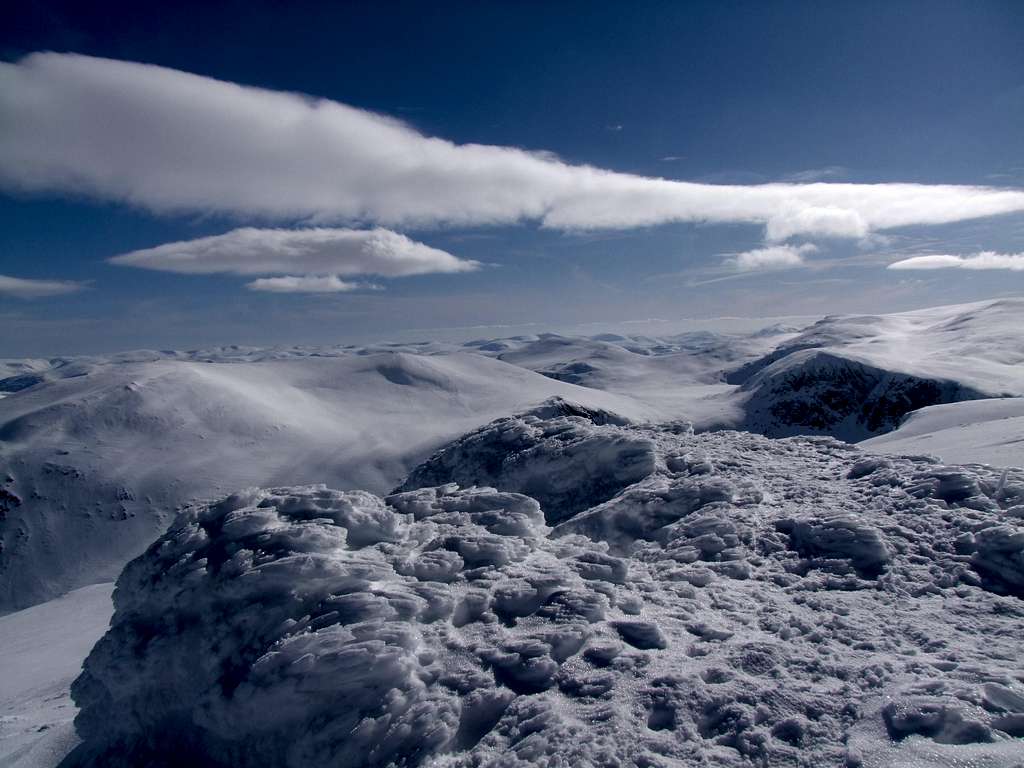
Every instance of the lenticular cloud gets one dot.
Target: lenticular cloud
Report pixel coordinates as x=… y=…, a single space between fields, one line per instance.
x=171 y=141
x=251 y=251
x=771 y=257
x=982 y=260
x=24 y=288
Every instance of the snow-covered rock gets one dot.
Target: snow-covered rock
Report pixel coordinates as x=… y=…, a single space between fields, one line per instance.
x=560 y=461
x=746 y=601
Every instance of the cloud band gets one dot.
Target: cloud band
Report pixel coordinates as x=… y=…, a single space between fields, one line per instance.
x=171 y=141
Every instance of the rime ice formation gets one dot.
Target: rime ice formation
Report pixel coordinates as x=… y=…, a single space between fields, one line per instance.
x=729 y=600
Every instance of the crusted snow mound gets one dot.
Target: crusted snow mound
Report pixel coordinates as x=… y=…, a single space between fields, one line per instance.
x=746 y=601
x=550 y=453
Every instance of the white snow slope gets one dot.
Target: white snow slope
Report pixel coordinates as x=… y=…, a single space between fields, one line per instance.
x=740 y=601
x=41 y=653
x=985 y=431
x=682 y=375
x=92 y=466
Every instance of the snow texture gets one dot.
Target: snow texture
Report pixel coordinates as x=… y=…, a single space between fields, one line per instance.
x=96 y=458
x=738 y=601
x=980 y=431
x=41 y=653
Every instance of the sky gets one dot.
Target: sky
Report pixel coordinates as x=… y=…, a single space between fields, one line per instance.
x=296 y=173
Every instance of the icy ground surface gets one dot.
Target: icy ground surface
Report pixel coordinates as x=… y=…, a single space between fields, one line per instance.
x=41 y=652
x=729 y=600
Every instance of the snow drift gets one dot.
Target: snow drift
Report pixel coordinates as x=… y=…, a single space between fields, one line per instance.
x=742 y=601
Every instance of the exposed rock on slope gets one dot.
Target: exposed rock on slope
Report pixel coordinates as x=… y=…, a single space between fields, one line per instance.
x=819 y=392
x=745 y=602
x=853 y=377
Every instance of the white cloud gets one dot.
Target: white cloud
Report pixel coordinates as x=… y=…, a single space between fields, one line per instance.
x=770 y=257
x=982 y=260
x=818 y=174
x=24 y=288
x=171 y=141
x=320 y=251
x=827 y=221
x=306 y=284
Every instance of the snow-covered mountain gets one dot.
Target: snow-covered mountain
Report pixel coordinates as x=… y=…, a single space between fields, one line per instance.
x=853 y=377
x=728 y=600
x=97 y=452
x=683 y=375
x=680 y=596
x=94 y=462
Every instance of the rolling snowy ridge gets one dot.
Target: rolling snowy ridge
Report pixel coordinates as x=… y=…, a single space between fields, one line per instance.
x=93 y=466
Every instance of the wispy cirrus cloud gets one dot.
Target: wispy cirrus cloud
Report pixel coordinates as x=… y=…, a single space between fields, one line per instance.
x=170 y=141
x=818 y=174
x=307 y=284
x=770 y=257
x=25 y=288
x=313 y=251
x=980 y=261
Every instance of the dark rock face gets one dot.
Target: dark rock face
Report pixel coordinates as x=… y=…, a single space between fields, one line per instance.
x=818 y=392
x=20 y=382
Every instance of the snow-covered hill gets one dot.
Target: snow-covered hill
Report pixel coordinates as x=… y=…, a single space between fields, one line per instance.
x=96 y=452
x=681 y=375
x=730 y=600
x=854 y=377
x=92 y=465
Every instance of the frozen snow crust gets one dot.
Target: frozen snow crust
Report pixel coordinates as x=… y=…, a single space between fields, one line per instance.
x=740 y=601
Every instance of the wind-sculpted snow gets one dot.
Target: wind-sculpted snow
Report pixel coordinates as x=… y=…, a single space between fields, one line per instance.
x=740 y=602
x=978 y=431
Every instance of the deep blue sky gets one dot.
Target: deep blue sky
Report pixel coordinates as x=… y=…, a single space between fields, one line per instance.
x=721 y=92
